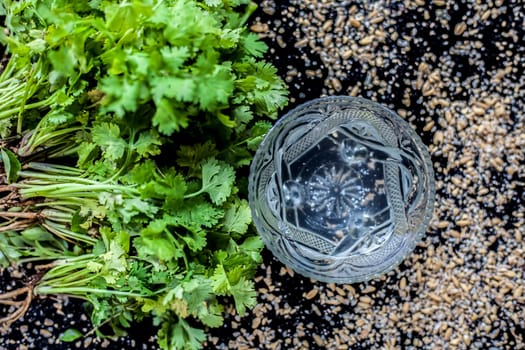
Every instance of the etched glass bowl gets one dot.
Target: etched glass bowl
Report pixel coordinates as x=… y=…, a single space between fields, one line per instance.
x=341 y=189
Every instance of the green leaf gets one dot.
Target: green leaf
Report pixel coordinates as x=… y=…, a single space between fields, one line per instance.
x=174 y=57
x=70 y=335
x=86 y=154
x=217 y=180
x=195 y=213
x=11 y=165
x=225 y=120
x=155 y=242
x=122 y=94
x=107 y=136
x=168 y=119
x=211 y=316
x=192 y=156
x=142 y=173
x=244 y=295
x=254 y=45
x=252 y=244
x=148 y=144
x=196 y=292
x=169 y=186
x=237 y=217
x=215 y=89
x=220 y=282
x=257 y=134
x=262 y=87
x=63 y=61
x=242 y=115
x=9 y=253
x=180 y=89
x=36 y=233
x=213 y=3
x=185 y=337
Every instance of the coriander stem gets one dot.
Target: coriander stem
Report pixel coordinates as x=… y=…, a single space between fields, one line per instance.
x=55 y=168
x=76 y=279
x=66 y=190
x=13 y=111
x=194 y=194
x=68 y=235
x=73 y=291
x=55 y=177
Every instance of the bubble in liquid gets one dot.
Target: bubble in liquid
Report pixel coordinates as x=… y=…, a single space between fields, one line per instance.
x=293 y=194
x=352 y=152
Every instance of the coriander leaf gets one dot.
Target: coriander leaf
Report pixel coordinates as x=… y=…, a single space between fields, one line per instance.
x=134 y=206
x=174 y=57
x=11 y=165
x=125 y=17
x=214 y=90
x=155 y=242
x=261 y=86
x=252 y=244
x=213 y=3
x=107 y=136
x=197 y=291
x=217 y=180
x=139 y=62
x=192 y=156
x=242 y=115
x=257 y=134
x=220 y=282
x=195 y=238
x=184 y=337
x=237 y=217
x=169 y=187
x=70 y=335
x=63 y=61
x=168 y=119
x=229 y=38
x=148 y=144
x=142 y=173
x=244 y=295
x=9 y=253
x=181 y=89
x=195 y=213
x=253 y=45
x=211 y=315
x=59 y=117
x=122 y=94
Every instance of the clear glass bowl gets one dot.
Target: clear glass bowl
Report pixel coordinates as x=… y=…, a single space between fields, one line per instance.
x=341 y=189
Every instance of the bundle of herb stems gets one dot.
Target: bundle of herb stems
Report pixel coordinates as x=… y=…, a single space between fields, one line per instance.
x=126 y=131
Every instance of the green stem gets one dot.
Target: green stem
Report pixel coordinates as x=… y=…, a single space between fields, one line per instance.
x=177 y=244
x=68 y=235
x=13 y=111
x=55 y=168
x=46 y=134
x=29 y=91
x=70 y=205
x=11 y=94
x=127 y=161
x=250 y=9
x=75 y=279
x=56 y=178
x=39 y=258
x=8 y=71
x=194 y=194
x=66 y=190
x=73 y=291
